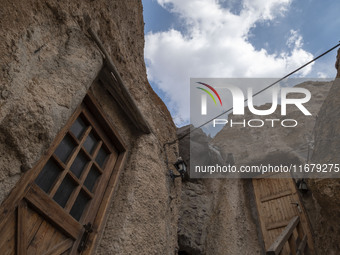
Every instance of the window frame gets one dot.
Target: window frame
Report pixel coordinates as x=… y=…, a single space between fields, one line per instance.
x=78 y=147
x=102 y=211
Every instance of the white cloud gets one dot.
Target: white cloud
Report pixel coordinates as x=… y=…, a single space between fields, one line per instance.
x=215 y=44
x=295 y=39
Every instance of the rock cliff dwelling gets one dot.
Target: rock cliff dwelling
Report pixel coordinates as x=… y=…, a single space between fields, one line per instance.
x=86 y=147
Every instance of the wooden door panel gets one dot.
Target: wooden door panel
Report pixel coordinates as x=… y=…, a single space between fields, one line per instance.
x=278 y=212
x=44 y=236
x=28 y=232
x=61 y=248
x=34 y=221
x=7 y=243
x=276 y=203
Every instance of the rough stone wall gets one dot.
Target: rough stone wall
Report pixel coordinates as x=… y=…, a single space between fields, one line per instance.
x=48 y=62
x=326 y=191
x=40 y=87
x=216 y=215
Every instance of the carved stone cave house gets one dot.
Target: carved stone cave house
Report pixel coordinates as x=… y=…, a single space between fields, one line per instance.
x=83 y=148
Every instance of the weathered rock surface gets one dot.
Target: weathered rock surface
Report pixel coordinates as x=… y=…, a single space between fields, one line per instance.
x=326 y=191
x=216 y=215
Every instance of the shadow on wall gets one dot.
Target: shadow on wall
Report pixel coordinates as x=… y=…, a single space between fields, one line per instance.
x=184 y=253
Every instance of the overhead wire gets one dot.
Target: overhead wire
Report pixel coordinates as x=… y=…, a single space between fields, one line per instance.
x=257 y=93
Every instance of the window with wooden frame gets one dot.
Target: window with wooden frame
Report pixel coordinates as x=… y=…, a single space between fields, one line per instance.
x=74 y=172
x=59 y=208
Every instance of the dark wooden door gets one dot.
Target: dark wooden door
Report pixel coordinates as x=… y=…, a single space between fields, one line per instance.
x=277 y=203
x=62 y=202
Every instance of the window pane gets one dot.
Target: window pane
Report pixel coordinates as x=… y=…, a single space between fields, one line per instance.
x=48 y=175
x=79 y=205
x=65 y=148
x=91 y=178
x=64 y=191
x=90 y=143
x=78 y=127
x=101 y=157
x=79 y=164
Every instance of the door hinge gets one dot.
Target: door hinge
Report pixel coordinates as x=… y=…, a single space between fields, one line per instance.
x=85 y=237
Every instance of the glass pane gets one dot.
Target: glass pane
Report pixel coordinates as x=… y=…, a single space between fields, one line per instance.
x=90 y=143
x=64 y=191
x=79 y=164
x=79 y=205
x=65 y=148
x=78 y=127
x=48 y=175
x=101 y=157
x=91 y=178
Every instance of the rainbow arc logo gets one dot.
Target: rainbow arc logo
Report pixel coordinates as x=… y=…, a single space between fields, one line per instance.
x=209 y=93
x=204 y=97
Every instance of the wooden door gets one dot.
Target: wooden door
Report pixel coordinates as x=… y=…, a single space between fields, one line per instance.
x=30 y=232
x=59 y=207
x=277 y=203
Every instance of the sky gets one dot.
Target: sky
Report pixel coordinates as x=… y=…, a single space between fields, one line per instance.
x=234 y=39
